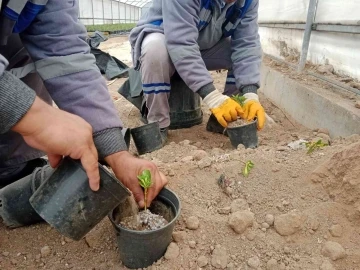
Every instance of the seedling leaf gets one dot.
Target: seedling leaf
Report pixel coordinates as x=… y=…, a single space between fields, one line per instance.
x=239 y=99
x=145 y=182
x=248 y=166
x=313 y=146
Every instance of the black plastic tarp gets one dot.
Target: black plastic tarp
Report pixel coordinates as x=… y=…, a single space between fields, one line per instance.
x=108 y=65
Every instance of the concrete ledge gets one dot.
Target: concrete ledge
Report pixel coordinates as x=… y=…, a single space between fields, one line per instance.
x=311 y=106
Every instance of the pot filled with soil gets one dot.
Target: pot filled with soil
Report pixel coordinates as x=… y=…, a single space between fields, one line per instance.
x=144 y=236
x=67 y=203
x=147 y=138
x=243 y=132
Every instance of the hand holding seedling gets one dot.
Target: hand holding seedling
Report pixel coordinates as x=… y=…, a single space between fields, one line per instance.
x=252 y=108
x=145 y=182
x=127 y=168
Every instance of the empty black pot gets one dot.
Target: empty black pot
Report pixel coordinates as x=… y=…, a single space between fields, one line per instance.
x=140 y=249
x=66 y=201
x=147 y=138
x=245 y=135
x=15 y=208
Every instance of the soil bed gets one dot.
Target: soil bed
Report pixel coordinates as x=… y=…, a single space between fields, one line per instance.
x=316 y=197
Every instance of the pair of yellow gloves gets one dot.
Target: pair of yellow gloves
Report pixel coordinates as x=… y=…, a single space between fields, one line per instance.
x=227 y=110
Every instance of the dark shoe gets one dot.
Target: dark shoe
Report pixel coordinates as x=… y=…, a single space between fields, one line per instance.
x=214 y=126
x=9 y=174
x=15 y=208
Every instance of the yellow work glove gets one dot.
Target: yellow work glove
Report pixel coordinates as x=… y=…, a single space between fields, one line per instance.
x=253 y=108
x=223 y=108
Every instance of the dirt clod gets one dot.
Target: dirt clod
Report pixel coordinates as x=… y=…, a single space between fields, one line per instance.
x=205 y=162
x=272 y=265
x=192 y=223
x=202 y=261
x=5 y=253
x=355 y=85
x=290 y=223
x=269 y=219
x=45 y=251
x=241 y=220
x=254 y=262
x=333 y=250
x=192 y=244
x=187 y=159
x=172 y=252
x=326 y=265
x=357 y=104
x=224 y=211
x=179 y=236
x=326 y=69
x=239 y=205
x=185 y=143
x=219 y=258
x=199 y=154
x=336 y=230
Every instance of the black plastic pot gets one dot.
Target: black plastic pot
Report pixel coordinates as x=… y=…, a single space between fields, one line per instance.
x=147 y=138
x=126 y=132
x=214 y=126
x=15 y=208
x=140 y=249
x=185 y=105
x=245 y=135
x=66 y=201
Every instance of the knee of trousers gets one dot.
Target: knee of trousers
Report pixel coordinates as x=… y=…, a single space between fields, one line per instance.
x=156 y=57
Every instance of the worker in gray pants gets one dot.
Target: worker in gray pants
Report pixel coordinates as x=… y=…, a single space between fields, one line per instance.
x=192 y=37
x=44 y=58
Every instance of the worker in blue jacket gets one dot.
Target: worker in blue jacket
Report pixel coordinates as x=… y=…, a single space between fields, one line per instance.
x=192 y=37
x=43 y=58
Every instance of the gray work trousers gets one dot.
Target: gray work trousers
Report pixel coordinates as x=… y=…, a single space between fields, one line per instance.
x=157 y=69
x=13 y=149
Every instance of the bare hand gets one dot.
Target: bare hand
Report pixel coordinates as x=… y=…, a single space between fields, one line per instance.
x=127 y=167
x=59 y=134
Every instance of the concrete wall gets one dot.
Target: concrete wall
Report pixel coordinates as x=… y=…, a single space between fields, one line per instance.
x=310 y=106
x=338 y=49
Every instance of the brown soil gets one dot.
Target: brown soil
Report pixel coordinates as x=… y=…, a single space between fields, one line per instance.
x=320 y=191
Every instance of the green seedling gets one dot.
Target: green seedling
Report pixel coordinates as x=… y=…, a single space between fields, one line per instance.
x=239 y=99
x=145 y=182
x=312 y=146
x=248 y=166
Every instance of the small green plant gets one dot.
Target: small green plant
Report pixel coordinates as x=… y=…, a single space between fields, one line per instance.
x=312 y=146
x=145 y=182
x=239 y=99
x=248 y=166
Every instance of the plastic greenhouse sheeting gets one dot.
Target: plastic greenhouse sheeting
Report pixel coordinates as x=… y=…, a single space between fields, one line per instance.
x=137 y=3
